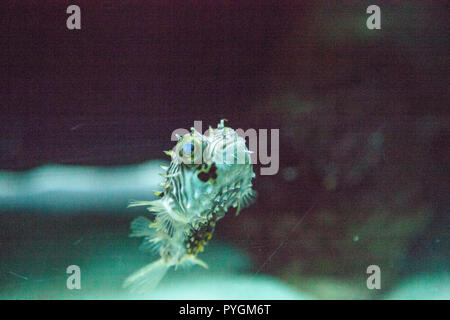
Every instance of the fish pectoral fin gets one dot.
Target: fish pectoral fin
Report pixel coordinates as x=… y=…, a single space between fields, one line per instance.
x=246 y=198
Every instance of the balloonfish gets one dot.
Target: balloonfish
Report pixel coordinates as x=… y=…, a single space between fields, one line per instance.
x=207 y=175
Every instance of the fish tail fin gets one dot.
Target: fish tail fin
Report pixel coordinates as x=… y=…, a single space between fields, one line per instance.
x=146 y=278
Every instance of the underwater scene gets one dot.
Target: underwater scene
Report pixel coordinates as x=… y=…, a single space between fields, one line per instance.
x=267 y=150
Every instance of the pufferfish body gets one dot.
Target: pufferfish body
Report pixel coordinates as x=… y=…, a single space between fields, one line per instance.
x=207 y=175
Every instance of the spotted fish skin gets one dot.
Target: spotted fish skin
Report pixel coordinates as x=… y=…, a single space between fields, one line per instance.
x=207 y=175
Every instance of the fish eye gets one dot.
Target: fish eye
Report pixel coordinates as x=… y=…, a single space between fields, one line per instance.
x=188 y=148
